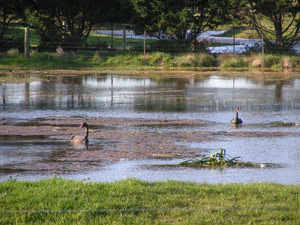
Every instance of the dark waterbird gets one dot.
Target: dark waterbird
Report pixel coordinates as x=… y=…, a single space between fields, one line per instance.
x=237 y=120
x=80 y=140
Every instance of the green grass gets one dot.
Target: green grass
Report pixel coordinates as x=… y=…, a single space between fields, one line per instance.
x=133 y=57
x=58 y=201
x=194 y=60
x=233 y=61
x=99 y=60
x=17 y=32
x=130 y=43
x=42 y=61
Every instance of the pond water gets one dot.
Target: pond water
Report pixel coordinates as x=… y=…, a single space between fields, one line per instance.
x=211 y=97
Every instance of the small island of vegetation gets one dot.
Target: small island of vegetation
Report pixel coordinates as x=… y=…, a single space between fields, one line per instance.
x=221 y=160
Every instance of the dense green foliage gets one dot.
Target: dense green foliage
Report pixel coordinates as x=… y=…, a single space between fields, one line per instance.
x=58 y=201
x=66 y=24
x=63 y=23
x=9 y=11
x=276 y=21
x=13 y=59
x=179 y=19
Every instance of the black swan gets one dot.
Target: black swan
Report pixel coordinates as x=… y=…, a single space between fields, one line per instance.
x=236 y=120
x=81 y=139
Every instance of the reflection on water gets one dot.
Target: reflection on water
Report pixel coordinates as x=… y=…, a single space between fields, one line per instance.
x=212 y=94
x=262 y=100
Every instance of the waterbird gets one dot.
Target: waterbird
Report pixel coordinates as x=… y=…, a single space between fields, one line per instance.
x=76 y=140
x=237 y=120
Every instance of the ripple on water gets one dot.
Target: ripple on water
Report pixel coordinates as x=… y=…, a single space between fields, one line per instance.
x=210 y=98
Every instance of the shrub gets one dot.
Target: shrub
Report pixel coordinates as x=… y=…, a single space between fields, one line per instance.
x=288 y=62
x=233 y=61
x=207 y=60
x=60 y=52
x=96 y=60
x=34 y=53
x=158 y=59
x=195 y=60
x=272 y=61
x=121 y=60
x=13 y=52
x=185 y=60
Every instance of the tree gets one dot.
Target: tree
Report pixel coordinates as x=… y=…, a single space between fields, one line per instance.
x=65 y=23
x=9 y=11
x=76 y=19
x=117 y=11
x=178 y=19
x=40 y=15
x=277 y=21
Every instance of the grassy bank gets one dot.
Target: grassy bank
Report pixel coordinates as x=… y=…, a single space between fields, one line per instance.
x=94 y=60
x=58 y=201
x=85 y=57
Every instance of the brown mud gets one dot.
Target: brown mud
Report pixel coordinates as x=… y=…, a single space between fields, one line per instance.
x=111 y=140
x=263 y=74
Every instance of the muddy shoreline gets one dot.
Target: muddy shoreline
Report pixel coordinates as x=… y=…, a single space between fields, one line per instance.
x=111 y=140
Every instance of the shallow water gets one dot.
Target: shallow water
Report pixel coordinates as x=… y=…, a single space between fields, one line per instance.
x=263 y=99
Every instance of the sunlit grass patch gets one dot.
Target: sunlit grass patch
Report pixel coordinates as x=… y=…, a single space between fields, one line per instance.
x=233 y=61
x=194 y=60
x=130 y=201
x=43 y=61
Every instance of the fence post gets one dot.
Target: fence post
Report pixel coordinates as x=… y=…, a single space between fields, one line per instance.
x=112 y=36
x=27 y=43
x=144 y=42
x=124 y=38
x=262 y=52
x=233 y=34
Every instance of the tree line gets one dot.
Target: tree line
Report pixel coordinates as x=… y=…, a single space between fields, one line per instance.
x=69 y=22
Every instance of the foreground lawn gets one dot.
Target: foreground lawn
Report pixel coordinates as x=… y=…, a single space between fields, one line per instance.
x=58 y=201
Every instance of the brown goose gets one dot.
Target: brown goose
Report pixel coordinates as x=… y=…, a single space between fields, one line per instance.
x=81 y=139
x=237 y=120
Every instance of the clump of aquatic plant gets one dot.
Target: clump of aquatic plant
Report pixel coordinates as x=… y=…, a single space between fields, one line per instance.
x=284 y=124
x=219 y=159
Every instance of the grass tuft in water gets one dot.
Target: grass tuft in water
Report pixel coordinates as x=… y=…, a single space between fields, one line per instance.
x=284 y=124
x=220 y=159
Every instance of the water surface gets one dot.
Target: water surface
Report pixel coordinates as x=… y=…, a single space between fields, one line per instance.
x=263 y=99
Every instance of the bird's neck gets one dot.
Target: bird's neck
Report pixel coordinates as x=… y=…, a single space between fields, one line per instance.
x=87 y=132
x=237 y=115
